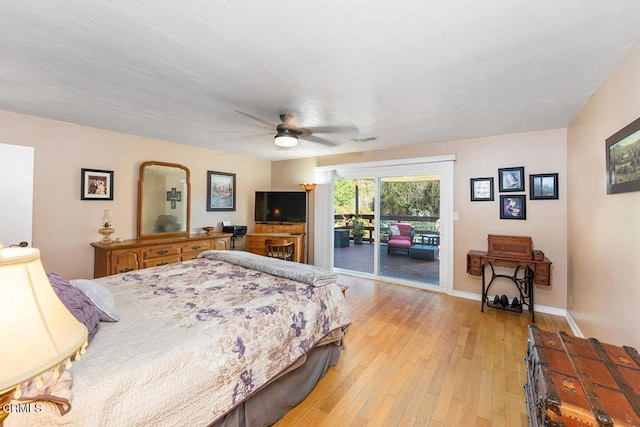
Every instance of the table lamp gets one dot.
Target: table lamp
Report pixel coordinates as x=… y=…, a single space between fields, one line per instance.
x=37 y=332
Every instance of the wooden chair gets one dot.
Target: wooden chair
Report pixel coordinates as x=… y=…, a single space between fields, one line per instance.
x=279 y=248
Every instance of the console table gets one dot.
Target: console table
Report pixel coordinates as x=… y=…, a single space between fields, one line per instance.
x=527 y=273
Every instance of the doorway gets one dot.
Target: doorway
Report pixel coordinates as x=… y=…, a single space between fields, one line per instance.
x=417 y=194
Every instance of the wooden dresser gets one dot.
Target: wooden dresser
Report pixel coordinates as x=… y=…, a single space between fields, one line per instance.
x=290 y=232
x=135 y=254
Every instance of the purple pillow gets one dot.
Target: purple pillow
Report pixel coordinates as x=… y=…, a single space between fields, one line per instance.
x=76 y=302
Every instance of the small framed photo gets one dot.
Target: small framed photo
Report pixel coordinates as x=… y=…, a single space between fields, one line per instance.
x=543 y=186
x=511 y=179
x=221 y=191
x=513 y=206
x=481 y=189
x=96 y=184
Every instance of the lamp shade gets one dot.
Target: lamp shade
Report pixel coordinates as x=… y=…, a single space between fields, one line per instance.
x=36 y=329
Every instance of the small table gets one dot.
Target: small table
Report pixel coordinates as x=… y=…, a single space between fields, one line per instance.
x=526 y=272
x=340 y=238
x=427 y=252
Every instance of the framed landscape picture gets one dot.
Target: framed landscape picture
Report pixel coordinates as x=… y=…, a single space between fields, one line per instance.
x=481 y=189
x=511 y=179
x=543 y=186
x=513 y=206
x=221 y=191
x=623 y=159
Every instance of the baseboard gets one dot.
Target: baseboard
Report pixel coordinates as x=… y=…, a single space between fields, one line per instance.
x=573 y=325
x=537 y=307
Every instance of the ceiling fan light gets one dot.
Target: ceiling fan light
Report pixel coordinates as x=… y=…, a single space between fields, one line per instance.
x=285 y=140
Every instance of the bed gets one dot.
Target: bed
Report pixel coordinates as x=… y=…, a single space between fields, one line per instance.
x=228 y=339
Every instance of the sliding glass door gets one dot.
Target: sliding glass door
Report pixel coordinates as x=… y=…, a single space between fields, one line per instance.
x=409 y=224
x=404 y=214
x=354 y=213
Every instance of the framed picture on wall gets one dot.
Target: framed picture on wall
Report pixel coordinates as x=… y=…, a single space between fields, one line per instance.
x=513 y=206
x=543 y=186
x=96 y=184
x=511 y=179
x=221 y=191
x=481 y=189
x=623 y=159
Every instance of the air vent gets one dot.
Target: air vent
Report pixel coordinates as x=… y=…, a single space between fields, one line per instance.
x=367 y=139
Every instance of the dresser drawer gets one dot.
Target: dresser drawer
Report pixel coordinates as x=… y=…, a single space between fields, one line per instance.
x=160 y=251
x=195 y=247
x=160 y=261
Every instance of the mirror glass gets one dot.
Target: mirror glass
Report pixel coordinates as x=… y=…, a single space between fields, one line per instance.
x=164 y=203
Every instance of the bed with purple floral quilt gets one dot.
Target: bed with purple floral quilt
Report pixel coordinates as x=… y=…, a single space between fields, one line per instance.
x=197 y=340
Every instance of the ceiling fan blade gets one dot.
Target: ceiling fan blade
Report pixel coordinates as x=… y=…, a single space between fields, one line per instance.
x=318 y=140
x=331 y=129
x=258 y=119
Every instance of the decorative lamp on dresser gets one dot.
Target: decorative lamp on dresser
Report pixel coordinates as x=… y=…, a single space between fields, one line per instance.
x=164 y=207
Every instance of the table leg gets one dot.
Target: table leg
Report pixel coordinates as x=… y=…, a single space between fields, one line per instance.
x=484 y=292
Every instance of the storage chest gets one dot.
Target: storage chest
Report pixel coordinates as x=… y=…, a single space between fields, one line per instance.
x=580 y=382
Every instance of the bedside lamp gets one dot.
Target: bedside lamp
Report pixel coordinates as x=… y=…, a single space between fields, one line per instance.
x=37 y=332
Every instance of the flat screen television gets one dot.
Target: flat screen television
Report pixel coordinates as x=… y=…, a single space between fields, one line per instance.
x=281 y=206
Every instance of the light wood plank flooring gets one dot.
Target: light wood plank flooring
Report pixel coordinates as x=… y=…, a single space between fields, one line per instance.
x=418 y=358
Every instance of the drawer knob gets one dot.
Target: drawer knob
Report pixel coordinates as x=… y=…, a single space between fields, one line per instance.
x=163 y=263
x=162 y=251
x=195 y=247
x=126 y=270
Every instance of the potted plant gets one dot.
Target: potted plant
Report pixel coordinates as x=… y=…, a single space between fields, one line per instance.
x=357 y=224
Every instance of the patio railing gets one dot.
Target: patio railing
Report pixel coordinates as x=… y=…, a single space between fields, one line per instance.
x=421 y=224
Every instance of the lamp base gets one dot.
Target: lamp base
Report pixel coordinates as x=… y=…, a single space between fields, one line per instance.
x=5 y=399
x=106 y=240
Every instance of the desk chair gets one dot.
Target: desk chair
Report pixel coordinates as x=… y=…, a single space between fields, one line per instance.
x=279 y=248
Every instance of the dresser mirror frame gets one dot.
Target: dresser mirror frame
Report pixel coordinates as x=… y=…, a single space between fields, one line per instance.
x=164 y=200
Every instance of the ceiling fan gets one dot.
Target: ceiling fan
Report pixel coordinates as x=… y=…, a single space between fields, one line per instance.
x=287 y=133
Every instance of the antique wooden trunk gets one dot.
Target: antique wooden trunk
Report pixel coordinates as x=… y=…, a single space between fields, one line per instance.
x=580 y=382
x=520 y=247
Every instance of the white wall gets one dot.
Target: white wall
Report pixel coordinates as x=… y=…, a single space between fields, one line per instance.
x=64 y=226
x=604 y=230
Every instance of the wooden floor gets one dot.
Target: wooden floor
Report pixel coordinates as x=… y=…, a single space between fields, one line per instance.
x=419 y=358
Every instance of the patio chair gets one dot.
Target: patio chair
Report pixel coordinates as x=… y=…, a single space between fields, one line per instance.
x=400 y=237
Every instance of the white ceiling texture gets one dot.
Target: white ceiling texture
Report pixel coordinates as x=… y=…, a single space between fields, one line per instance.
x=404 y=72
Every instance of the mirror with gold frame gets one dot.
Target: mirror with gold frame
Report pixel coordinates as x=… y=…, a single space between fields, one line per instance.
x=164 y=200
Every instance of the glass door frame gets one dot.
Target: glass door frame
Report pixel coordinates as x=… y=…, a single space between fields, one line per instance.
x=323 y=212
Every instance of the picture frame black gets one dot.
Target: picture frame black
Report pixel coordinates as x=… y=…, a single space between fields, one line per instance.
x=221 y=191
x=481 y=189
x=543 y=186
x=623 y=159
x=511 y=179
x=513 y=206
x=96 y=184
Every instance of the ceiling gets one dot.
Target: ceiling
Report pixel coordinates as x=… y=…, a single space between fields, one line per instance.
x=405 y=72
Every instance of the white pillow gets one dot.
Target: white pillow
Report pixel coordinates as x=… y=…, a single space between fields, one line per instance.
x=395 y=230
x=101 y=297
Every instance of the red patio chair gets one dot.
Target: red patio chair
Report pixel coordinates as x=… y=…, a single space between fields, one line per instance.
x=400 y=237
